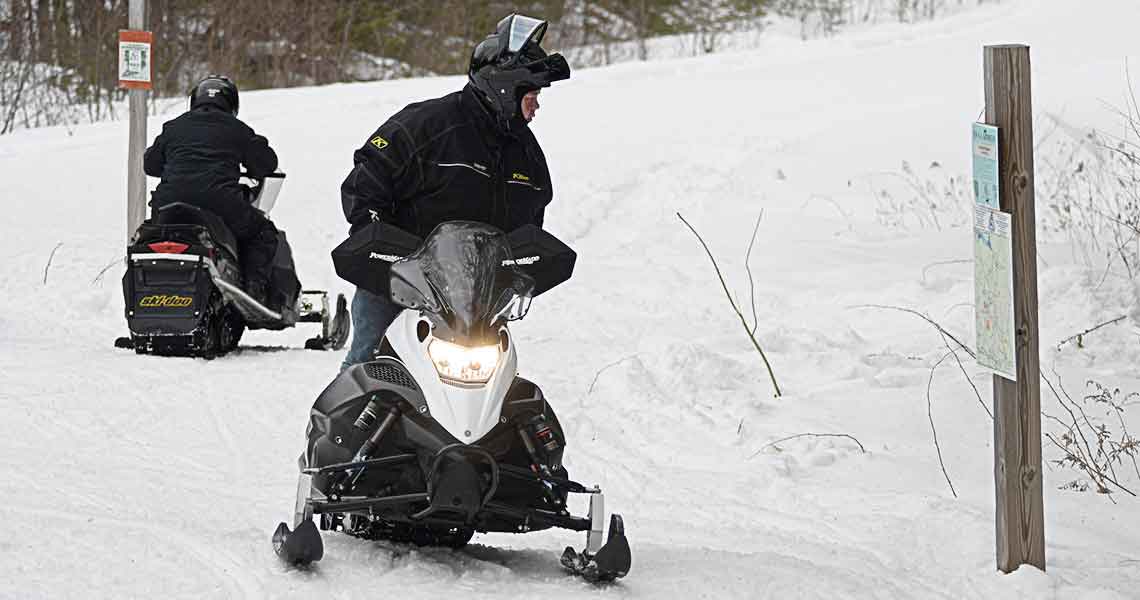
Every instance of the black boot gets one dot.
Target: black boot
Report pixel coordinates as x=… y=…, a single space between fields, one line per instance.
x=258 y=289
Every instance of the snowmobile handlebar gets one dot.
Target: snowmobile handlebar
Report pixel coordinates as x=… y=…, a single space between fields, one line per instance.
x=366 y=257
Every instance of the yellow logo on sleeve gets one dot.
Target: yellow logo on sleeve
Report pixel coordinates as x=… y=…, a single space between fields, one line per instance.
x=379 y=142
x=519 y=177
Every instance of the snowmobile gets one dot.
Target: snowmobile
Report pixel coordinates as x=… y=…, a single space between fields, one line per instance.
x=439 y=437
x=183 y=293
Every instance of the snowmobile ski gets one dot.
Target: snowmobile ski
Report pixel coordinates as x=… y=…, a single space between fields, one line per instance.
x=610 y=562
x=300 y=547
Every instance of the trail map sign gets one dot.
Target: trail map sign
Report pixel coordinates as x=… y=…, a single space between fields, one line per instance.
x=135 y=64
x=986 y=165
x=993 y=291
x=993 y=262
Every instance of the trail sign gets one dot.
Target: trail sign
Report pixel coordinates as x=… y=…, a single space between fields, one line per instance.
x=136 y=67
x=995 y=336
x=994 y=331
x=986 y=188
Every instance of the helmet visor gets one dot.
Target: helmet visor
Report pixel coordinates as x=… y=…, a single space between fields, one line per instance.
x=525 y=29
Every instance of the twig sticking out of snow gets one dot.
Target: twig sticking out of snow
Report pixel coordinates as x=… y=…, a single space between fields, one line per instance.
x=922 y=316
x=943 y=263
x=970 y=381
x=750 y=331
x=50 y=257
x=1096 y=458
x=1080 y=337
x=930 y=417
x=99 y=276
x=946 y=335
x=801 y=435
x=951 y=351
x=605 y=368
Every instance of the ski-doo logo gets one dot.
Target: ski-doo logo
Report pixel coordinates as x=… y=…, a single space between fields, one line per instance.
x=386 y=257
x=379 y=142
x=165 y=301
x=526 y=260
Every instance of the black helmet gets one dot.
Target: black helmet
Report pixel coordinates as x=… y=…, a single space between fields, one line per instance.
x=510 y=63
x=215 y=90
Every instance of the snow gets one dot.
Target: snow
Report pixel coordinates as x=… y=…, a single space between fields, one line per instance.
x=135 y=476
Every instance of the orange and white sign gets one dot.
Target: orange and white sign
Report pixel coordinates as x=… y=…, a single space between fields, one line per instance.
x=136 y=67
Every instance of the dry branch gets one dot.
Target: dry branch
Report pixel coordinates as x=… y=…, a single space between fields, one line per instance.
x=1079 y=338
x=744 y=322
x=801 y=435
x=50 y=257
x=930 y=417
x=603 y=369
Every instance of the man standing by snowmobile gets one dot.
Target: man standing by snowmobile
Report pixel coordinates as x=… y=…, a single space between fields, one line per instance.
x=469 y=155
x=199 y=155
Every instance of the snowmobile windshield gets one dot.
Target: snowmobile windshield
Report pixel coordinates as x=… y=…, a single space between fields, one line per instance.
x=464 y=276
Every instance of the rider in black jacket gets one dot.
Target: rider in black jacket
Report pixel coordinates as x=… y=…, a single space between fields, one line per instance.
x=469 y=155
x=199 y=155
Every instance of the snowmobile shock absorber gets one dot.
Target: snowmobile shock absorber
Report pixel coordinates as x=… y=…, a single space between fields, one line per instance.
x=367 y=416
x=536 y=464
x=371 y=443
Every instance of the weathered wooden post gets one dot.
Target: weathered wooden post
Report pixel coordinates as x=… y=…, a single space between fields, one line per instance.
x=1017 y=404
x=135 y=69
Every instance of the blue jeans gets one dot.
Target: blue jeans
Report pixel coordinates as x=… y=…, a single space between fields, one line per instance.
x=371 y=316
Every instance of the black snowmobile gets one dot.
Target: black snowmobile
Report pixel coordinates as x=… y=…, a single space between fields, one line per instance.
x=182 y=287
x=439 y=437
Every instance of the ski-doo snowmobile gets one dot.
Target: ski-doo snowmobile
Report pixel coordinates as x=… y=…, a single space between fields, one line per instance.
x=439 y=437
x=183 y=285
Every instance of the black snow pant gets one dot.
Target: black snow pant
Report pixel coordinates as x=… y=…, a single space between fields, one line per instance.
x=255 y=233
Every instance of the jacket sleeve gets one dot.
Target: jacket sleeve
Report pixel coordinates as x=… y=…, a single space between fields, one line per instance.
x=259 y=159
x=154 y=159
x=381 y=167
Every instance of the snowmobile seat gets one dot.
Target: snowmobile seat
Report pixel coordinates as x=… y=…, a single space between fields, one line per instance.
x=181 y=213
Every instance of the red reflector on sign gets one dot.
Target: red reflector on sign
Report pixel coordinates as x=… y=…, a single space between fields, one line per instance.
x=168 y=247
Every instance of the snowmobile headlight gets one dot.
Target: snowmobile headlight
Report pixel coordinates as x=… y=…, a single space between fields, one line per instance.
x=461 y=364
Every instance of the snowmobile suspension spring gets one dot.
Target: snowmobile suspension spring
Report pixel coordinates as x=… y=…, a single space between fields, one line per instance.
x=531 y=451
x=367 y=416
x=536 y=465
x=373 y=441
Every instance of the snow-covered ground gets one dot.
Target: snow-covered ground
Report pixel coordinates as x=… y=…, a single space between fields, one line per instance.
x=130 y=476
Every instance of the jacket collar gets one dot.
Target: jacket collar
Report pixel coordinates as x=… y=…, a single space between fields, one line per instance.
x=488 y=124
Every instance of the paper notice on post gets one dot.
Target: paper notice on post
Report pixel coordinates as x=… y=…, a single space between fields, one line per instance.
x=995 y=333
x=986 y=190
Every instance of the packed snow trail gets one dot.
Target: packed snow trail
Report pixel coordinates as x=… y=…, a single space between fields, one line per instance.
x=138 y=476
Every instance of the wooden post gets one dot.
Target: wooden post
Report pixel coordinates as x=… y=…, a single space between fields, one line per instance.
x=1017 y=404
x=136 y=178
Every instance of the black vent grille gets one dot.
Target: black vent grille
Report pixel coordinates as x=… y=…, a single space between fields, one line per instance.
x=389 y=374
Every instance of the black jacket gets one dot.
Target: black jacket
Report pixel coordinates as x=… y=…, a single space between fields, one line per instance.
x=199 y=153
x=446 y=159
